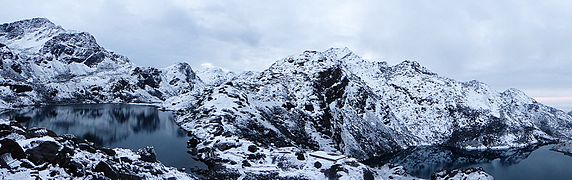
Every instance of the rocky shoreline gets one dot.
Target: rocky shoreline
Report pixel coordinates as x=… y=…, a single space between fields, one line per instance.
x=40 y=153
x=563 y=147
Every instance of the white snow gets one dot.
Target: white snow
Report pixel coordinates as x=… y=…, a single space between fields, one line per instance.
x=33 y=142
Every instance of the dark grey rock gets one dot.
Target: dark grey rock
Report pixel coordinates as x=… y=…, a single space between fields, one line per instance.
x=252 y=148
x=108 y=151
x=106 y=169
x=47 y=151
x=12 y=147
x=147 y=154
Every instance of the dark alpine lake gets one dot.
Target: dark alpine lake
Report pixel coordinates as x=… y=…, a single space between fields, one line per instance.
x=117 y=126
x=528 y=163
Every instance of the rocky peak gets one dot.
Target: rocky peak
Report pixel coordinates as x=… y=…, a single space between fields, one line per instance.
x=189 y=76
x=312 y=62
x=214 y=76
x=409 y=66
x=28 y=33
x=339 y=53
x=517 y=97
x=40 y=40
x=27 y=25
x=477 y=85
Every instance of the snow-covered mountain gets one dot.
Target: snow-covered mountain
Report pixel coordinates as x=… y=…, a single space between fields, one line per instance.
x=44 y=63
x=311 y=115
x=335 y=101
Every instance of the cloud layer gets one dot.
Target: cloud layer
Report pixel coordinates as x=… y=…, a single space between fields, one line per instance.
x=522 y=43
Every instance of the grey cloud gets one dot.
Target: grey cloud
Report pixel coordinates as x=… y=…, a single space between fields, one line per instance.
x=522 y=44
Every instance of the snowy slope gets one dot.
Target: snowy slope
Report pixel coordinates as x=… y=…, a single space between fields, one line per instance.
x=334 y=101
x=44 y=63
x=214 y=76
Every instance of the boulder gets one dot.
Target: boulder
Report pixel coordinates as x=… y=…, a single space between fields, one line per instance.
x=252 y=148
x=12 y=147
x=74 y=167
x=106 y=169
x=47 y=151
x=147 y=154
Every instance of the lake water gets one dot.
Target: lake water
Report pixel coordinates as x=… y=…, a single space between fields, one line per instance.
x=137 y=126
x=529 y=163
x=116 y=125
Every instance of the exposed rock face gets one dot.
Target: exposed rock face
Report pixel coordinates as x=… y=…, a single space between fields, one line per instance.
x=74 y=47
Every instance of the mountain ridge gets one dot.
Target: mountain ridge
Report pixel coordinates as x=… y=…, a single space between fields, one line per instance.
x=335 y=101
x=306 y=106
x=44 y=63
x=284 y=71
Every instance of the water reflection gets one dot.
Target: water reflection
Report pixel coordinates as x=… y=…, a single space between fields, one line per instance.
x=115 y=125
x=505 y=164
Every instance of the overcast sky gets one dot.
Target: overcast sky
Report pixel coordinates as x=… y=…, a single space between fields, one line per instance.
x=524 y=44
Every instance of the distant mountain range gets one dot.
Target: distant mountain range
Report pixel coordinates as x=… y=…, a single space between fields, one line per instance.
x=332 y=101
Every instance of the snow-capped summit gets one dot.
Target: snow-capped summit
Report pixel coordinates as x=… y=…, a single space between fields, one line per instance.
x=412 y=66
x=213 y=75
x=28 y=35
x=32 y=24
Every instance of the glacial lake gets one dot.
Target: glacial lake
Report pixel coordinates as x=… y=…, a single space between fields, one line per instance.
x=116 y=126
x=528 y=163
